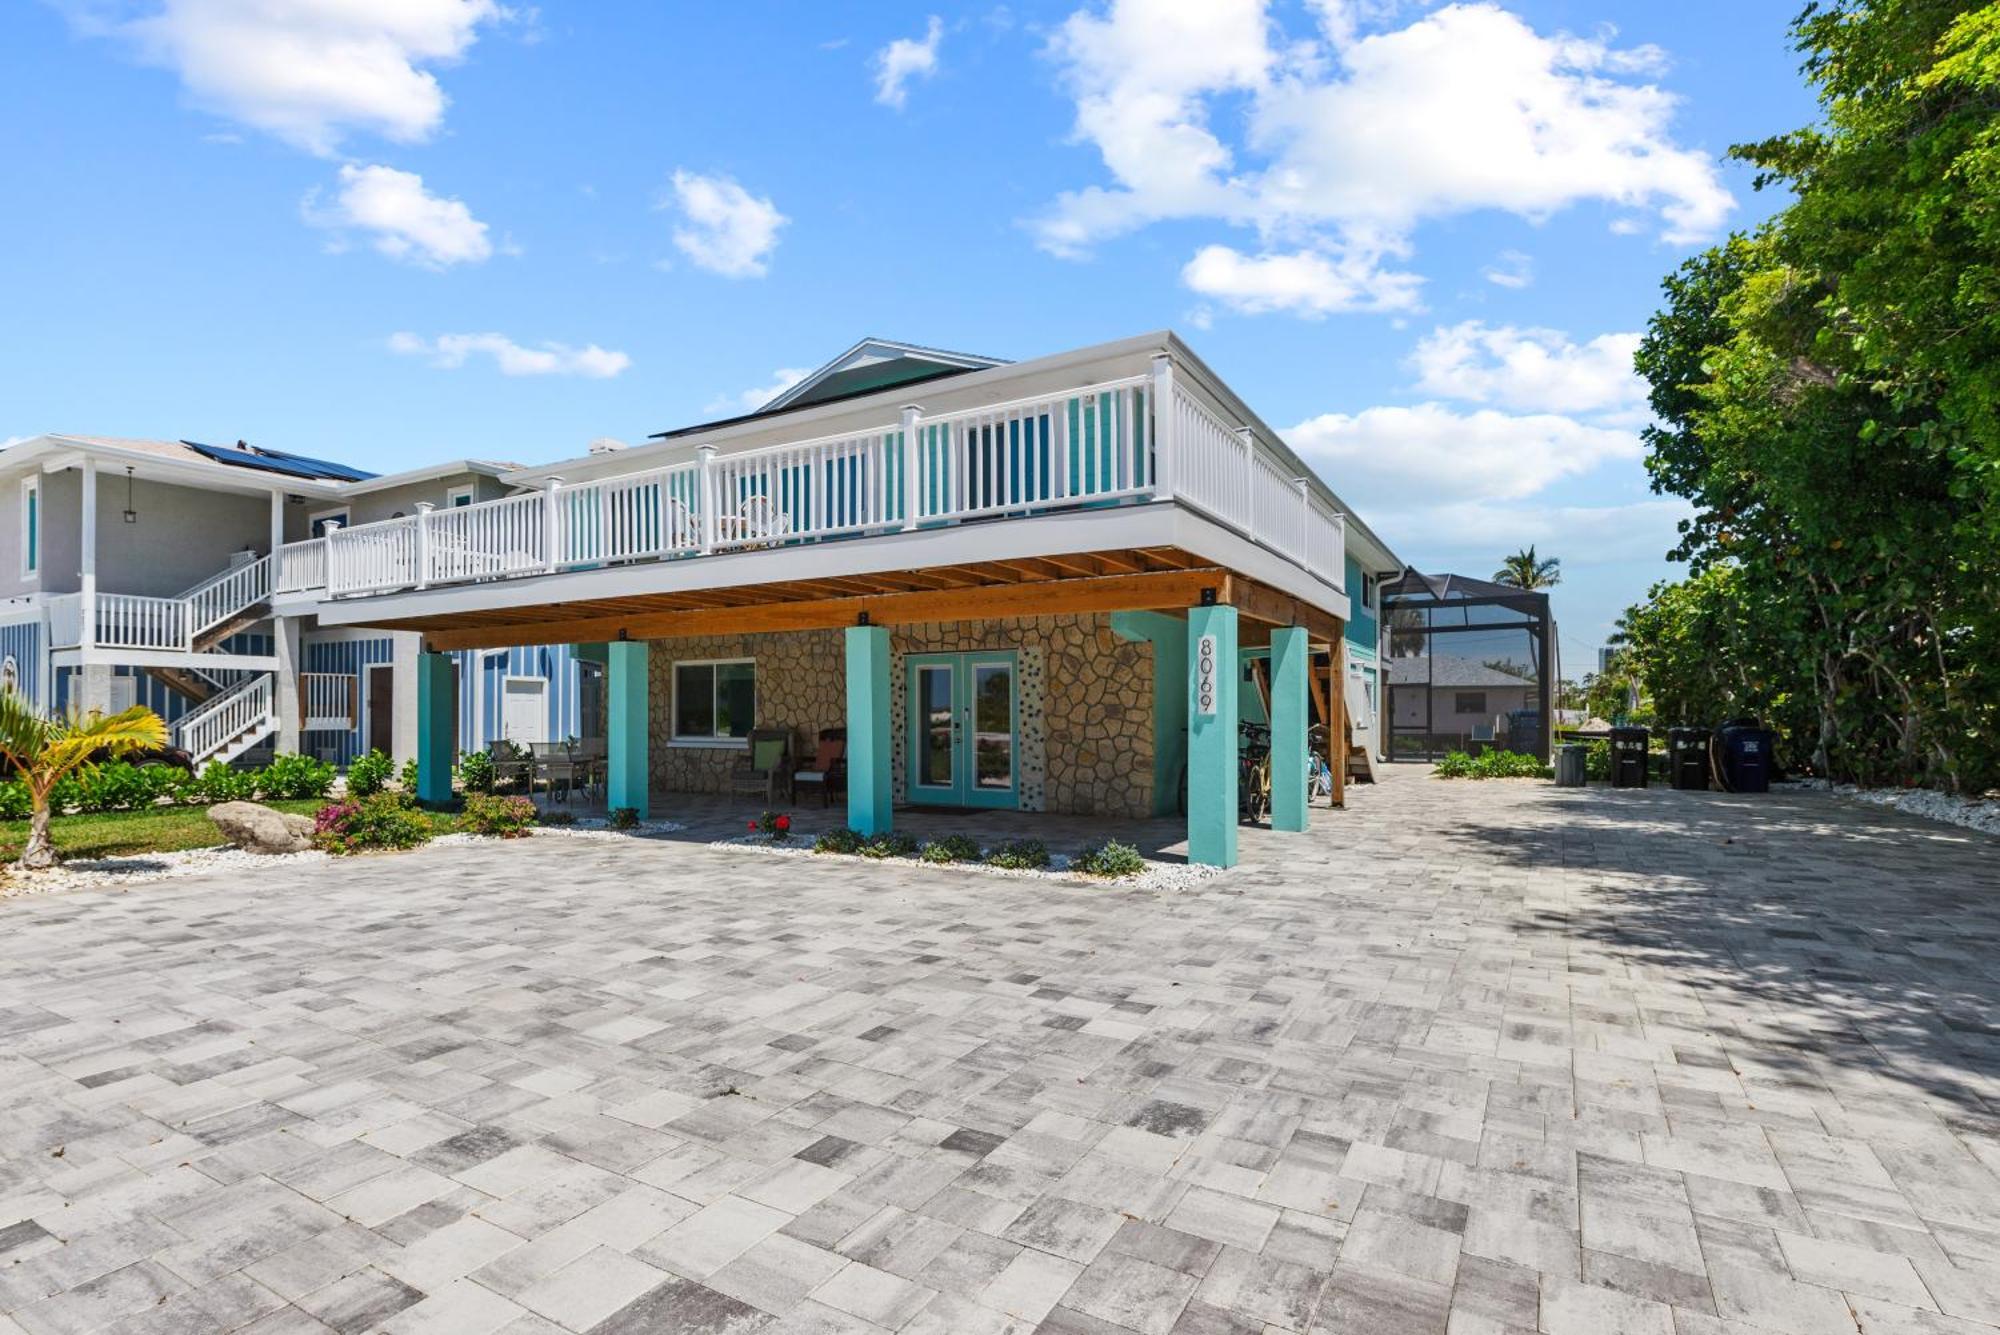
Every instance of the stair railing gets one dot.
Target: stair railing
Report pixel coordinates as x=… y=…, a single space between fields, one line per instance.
x=207 y=730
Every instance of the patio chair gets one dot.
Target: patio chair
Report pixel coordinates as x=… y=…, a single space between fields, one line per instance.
x=510 y=764
x=828 y=768
x=766 y=766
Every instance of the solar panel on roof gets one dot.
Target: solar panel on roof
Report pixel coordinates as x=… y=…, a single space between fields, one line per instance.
x=277 y=461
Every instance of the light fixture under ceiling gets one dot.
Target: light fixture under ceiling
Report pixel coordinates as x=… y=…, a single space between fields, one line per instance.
x=131 y=515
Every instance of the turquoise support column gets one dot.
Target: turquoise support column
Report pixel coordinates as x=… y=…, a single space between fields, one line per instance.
x=1291 y=664
x=1169 y=638
x=434 y=729
x=625 y=706
x=1214 y=676
x=869 y=787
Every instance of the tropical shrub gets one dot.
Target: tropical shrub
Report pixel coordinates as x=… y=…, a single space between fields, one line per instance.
x=1597 y=760
x=889 y=846
x=217 y=782
x=14 y=803
x=293 y=777
x=1491 y=765
x=951 y=848
x=839 y=841
x=1019 y=855
x=558 y=817
x=406 y=777
x=368 y=773
x=1108 y=857
x=506 y=817
x=774 y=825
x=383 y=819
x=624 y=818
x=475 y=772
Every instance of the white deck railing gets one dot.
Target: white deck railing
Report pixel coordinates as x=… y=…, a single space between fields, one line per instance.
x=228 y=594
x=329 y=700
x=207 y=730
x=302 y=566
x=1105 y=444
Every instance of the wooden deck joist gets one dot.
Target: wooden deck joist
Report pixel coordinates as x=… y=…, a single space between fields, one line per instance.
x=1138 y=579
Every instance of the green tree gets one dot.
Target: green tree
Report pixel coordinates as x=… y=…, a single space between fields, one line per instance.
x=43 y=751
x=1827 y=393
x=1523 y=571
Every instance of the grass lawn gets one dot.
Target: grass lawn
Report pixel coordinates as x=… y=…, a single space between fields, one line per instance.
x=108 y=834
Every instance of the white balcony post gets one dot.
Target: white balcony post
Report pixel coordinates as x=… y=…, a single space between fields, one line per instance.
x=912 y=419
x=424 y=509
x=1163 y=426
x=1248 y=518
x=277 y=533
x=87 y=570
x=552 y=524
x=706 y=494
x=1305 y=520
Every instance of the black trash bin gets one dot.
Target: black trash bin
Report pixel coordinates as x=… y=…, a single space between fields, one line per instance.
x=1628 y=757
x=1687 y=758
x=1744 y=747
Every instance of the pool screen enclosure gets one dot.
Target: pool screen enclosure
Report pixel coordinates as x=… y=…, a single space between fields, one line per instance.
x=1469 y=665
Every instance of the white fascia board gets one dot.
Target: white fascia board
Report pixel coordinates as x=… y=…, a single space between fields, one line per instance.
x=1155 y=525
x=999 y=384
x=200 y=477
x=167 y=658
x=427 y=473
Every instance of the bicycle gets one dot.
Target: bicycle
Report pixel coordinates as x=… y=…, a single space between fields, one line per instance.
x=1319 y=774
x=1253 y=774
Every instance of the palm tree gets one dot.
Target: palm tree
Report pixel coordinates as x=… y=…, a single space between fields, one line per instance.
x=42 y=751
x=1523 y=571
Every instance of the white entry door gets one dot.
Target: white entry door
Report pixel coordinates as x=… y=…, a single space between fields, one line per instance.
x=524 y=715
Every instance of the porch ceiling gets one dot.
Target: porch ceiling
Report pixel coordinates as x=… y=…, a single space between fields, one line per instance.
x=1126 y=579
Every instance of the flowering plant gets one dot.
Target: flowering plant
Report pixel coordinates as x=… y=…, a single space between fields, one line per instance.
x=776 y=824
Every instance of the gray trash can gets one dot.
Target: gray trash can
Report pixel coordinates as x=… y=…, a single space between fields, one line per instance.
x=1572 y=764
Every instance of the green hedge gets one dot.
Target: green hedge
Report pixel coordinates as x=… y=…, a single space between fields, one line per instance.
x=119 y=786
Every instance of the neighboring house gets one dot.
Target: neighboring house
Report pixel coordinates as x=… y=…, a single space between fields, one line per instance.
x=1457 y=703
x=1021 y=585
x=187 y=578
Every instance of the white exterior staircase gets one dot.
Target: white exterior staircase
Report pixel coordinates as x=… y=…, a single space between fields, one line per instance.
x=231 y=723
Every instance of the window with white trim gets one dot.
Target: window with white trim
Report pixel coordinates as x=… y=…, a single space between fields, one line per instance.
x=31 y=527
x=715 y=700
x=457 y=497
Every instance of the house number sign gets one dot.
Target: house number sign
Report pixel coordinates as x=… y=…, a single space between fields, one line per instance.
x=1204 y=676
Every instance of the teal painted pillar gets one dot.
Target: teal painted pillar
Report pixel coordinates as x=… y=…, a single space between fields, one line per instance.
x=1291 y=664
x=1214 y=676
x=869 y=787
x=628 y=776
x=434 y=728
x=1169 y=638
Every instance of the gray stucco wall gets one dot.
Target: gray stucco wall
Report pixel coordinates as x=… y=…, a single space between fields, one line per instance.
x=385 y=504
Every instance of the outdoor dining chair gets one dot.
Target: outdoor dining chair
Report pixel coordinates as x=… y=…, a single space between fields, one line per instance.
x=827 y=770
x=766 y=766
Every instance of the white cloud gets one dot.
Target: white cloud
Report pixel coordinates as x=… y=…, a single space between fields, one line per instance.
x=1310 y=283
x=1532 y=370
x=904 y=59
x=451 y=351
x=1384 y=456
x=406 y=222
x=750 y=400
x=1512 y=269
x=728 y=230
x=1352 y=140
x=306 y=71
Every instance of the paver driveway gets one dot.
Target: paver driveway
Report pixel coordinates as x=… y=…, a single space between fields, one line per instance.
x=1480 y=1057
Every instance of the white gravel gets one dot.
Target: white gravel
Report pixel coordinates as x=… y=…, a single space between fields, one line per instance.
x=1157 y=876
x=119 y=873
x=1971 y=813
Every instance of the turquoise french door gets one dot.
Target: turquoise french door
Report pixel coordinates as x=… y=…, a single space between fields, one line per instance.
x=964 y=723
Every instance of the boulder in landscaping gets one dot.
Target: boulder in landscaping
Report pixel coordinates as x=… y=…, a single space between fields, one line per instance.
x=256 y=828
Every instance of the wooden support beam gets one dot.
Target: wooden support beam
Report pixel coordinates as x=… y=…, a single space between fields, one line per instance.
x=1107 y=593
x=1338 y=743
x=1280 y=609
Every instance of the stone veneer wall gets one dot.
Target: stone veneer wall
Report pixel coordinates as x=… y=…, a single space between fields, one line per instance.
x=1086 y=705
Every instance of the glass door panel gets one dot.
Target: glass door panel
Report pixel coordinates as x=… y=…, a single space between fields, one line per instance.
x=934 y=731
x=992 y=780
x=963 y=729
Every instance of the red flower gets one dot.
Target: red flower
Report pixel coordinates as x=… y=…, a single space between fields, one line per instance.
x=753 y=824
x=784 y=822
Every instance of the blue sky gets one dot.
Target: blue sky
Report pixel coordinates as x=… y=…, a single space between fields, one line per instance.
x=1418 y=238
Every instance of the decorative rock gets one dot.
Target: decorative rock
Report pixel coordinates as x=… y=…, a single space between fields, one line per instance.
x=255 y=828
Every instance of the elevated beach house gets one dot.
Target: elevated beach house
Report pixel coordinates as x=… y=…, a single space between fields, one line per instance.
x=1027 y=585
x=188 y=577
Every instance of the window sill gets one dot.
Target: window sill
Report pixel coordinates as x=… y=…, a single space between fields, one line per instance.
x=709 y=743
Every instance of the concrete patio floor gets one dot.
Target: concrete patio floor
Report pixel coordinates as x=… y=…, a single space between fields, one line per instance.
x=1470 y=1057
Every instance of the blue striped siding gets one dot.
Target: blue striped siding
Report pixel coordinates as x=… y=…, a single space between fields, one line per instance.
x=481 y=680
x=354 y=657
x=23 y=642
